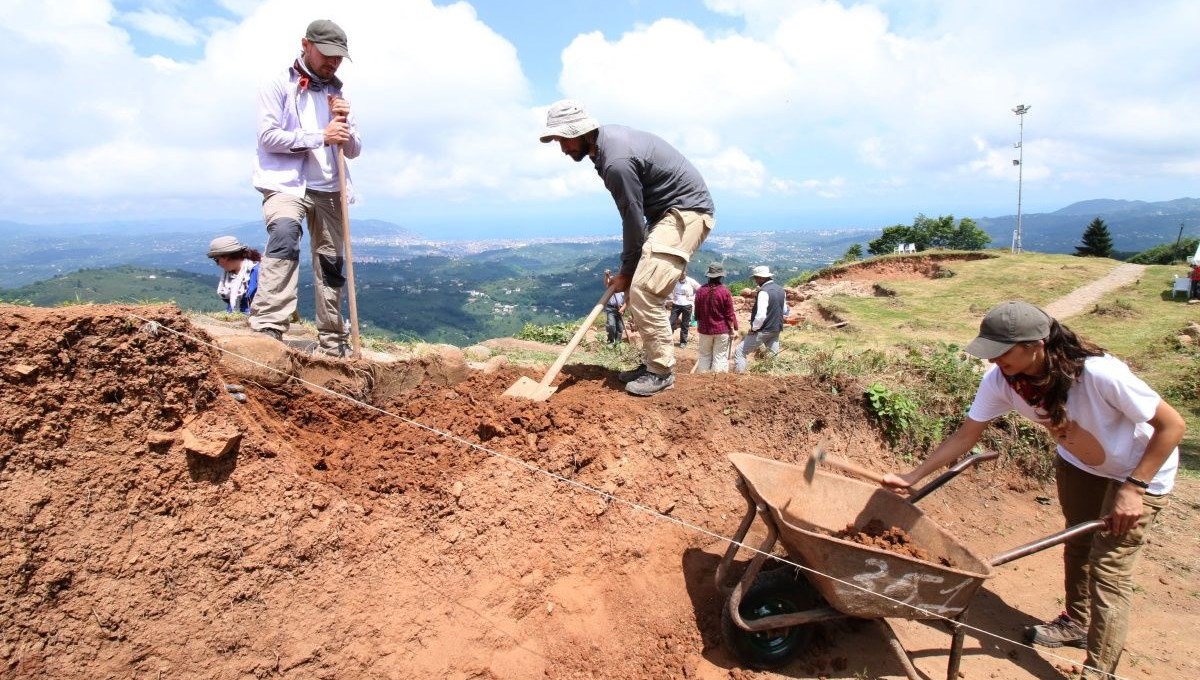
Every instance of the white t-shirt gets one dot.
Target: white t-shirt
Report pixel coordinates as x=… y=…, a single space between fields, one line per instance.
x=685 y=292
x=1107 y=413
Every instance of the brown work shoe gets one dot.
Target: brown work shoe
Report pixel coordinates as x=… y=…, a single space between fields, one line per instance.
x=1061 y=632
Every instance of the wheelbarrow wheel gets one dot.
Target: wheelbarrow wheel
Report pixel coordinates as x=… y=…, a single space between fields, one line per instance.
x=778 y=591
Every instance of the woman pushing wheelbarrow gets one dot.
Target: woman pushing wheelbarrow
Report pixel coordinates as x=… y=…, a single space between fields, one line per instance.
x=1117 y=457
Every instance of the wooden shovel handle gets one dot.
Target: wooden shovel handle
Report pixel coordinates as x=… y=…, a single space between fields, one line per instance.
x=853 y=469
x=587 y=323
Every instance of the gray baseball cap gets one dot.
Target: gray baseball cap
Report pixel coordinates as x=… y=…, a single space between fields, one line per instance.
x=1005 y=325
x=329 y=38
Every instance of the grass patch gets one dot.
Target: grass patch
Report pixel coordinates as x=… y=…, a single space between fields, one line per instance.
x=927 y=311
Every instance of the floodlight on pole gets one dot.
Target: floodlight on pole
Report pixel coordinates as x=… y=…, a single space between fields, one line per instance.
x=1020 y=110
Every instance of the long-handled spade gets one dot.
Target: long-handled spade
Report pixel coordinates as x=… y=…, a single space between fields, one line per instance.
x=820 y=456
x=526 y=388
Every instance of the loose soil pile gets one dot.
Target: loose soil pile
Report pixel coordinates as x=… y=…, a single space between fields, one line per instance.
x=435 y=529
x=893 y=539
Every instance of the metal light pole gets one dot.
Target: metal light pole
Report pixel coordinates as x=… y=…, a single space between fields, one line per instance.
x=1021 y=110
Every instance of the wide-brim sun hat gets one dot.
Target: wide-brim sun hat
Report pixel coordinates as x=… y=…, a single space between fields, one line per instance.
x=1006 y=325
x=762 y=271
x=715 y=271
x=224 y=245
x=567 y=119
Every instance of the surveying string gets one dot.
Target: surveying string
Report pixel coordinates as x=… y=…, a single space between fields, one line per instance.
x=152 y=327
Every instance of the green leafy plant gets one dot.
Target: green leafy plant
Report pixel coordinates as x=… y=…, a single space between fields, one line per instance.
x=554 y=334
x=895 y=412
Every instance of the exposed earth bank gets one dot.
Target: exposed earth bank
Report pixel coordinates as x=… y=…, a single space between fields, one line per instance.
x=154 y=526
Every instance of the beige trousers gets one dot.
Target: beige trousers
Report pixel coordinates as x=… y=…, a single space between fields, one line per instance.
x=279 y=277
x=664 y=258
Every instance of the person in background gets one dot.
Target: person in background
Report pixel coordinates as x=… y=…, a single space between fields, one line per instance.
x=614 y=312
x=239 y=272
x=302 y=120
x=666 y=213
x=766 y=317
x=1195 y=276
x=682 y=300
x=1117 y=457
x=716 y=322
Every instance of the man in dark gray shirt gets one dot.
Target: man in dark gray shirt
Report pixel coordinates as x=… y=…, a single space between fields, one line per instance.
x=666 y=213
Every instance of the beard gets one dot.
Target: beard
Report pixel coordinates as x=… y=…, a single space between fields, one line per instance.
x=582 y=153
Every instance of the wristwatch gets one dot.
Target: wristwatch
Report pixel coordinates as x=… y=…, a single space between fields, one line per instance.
x=1137 y=482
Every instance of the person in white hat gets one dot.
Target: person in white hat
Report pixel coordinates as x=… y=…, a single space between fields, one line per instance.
x=239 y=272
x=1117 y=455
x=666 y=213
x=766 y=317
x=303 y=118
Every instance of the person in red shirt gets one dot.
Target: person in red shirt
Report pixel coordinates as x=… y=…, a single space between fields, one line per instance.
x=1195 y=283
x=716 y=322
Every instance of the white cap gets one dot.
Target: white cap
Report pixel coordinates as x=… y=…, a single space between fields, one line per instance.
x=762 y=271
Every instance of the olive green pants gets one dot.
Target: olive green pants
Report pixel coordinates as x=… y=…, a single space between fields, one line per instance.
x=1099 y=566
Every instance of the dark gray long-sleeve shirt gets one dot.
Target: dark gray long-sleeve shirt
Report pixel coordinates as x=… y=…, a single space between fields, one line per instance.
x=646 y=177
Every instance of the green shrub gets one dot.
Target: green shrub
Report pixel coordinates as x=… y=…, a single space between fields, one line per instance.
x=554 y=334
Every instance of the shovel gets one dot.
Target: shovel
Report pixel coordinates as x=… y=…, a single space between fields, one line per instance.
x=819 y=456
x=526 y=388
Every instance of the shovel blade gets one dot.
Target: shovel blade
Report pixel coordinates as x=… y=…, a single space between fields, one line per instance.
x=528 y=388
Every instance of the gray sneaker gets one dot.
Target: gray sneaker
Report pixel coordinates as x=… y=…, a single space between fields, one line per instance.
x=1061 y=632
x=633 y=373
x=650 y=383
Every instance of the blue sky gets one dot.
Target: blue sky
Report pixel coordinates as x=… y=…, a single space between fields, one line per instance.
x=799 y=113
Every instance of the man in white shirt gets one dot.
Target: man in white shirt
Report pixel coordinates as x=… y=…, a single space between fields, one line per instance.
x=683 y=298
x=302 y=119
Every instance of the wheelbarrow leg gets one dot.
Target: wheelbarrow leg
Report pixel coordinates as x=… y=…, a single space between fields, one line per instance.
x=723 y=568
x=956 y=646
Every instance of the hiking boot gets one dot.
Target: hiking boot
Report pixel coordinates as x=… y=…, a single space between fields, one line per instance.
x=272 y=332
x=650 y=383
x=338 y=351
x=1061 y=632
x=633 y=374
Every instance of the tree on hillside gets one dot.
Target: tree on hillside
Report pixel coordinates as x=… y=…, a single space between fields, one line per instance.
x=1097 y=242
x=932 y=232
x=853 y=254
x=891 y=237
x=968 y=236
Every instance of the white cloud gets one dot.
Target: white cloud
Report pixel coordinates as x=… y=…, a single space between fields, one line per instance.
x=802 y=100
x=163 y=26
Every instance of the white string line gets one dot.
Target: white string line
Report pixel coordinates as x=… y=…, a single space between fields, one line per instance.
x=152 y=327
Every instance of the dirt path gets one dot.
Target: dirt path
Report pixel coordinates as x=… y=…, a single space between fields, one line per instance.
x=1079 y=299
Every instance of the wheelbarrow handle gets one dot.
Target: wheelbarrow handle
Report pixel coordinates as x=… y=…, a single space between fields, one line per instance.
x=1047 y=542
x=952 y=473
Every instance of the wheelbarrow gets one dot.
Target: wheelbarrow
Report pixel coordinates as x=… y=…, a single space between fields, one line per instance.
x=767 y=616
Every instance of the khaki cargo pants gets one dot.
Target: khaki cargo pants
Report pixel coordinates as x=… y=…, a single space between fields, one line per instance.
x=665 y=256
x=1099 y=566
x=279 y=272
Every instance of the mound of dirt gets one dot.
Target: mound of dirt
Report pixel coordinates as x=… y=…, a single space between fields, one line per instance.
x=893 y=539
x=425 y=527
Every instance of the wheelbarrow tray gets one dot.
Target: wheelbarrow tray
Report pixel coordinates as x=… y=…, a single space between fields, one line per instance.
x=806 y=514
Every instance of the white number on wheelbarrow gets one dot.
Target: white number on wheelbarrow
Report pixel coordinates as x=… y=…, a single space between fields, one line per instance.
x=905 y=588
